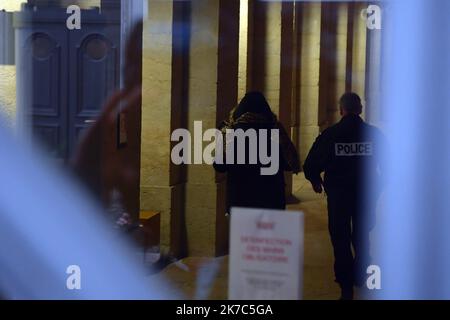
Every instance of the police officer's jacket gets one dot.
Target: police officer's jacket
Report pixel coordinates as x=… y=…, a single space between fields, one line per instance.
x=347 y=152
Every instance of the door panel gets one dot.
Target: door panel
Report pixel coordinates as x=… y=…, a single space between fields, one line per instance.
x=94 y=72
x=64 y=75
x=41 y=74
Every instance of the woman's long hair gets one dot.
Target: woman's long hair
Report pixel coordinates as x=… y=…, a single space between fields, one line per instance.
x=253 y=102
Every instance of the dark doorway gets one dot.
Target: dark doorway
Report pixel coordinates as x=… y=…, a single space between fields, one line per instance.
x=64 y=76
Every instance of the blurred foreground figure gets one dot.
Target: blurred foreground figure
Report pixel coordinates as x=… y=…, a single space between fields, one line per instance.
x=348 y=152
x=106 y=160
x=246 y=186
x=54 y=244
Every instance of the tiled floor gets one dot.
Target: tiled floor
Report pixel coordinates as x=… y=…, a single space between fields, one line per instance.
x=203 y=278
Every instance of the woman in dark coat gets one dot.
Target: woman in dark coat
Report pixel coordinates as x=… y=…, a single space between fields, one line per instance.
x=246 y=186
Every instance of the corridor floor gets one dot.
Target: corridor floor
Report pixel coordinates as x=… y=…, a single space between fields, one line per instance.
x=203 y=278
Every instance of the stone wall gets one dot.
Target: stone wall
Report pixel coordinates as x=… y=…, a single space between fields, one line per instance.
x=303 y=56
x=8 y=93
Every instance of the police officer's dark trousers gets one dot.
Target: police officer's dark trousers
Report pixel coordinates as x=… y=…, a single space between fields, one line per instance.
x=348 y=228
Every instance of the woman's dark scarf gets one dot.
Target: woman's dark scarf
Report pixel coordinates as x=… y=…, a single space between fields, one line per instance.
x=254 y=110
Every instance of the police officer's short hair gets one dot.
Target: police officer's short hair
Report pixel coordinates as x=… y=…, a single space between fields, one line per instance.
x=351 y=102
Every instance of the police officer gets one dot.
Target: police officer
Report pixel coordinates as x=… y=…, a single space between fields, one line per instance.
x=347 y=153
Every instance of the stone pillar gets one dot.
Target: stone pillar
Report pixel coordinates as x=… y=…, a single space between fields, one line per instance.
x=244 y=19
x=266 y=50
x=309 y=74
x=296 y=89
x=358 y=68
x=342 y=60
x=373 y=76
x=273 y=54
x=212 y=87
x=286 y=78
x=333 y=70
x=163 y=99
x=272 y=59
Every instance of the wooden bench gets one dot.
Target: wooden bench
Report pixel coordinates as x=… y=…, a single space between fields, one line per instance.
x=150 y=224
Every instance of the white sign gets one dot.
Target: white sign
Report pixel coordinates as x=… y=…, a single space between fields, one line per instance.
x=266 y=255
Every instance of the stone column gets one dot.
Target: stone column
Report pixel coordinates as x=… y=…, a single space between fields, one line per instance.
x=244 y=23
x=296 y=73
x=333 y=70
x=286 y=78
x=309 y=57
x=212 y=87
x=373 y=76
x=272 y=59
x=163 y=105
x=266 y=50
x=273 y=54
x=358 y=68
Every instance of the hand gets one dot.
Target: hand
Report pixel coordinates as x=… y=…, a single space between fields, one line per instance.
x=317 y=187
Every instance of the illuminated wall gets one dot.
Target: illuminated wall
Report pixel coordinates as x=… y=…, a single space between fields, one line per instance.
x=8 y=73
x=8 y=91
x=303 y=56
x=243 y=47
x=11 y=5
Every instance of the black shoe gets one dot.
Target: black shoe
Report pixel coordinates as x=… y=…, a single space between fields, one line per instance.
x=346 y=293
